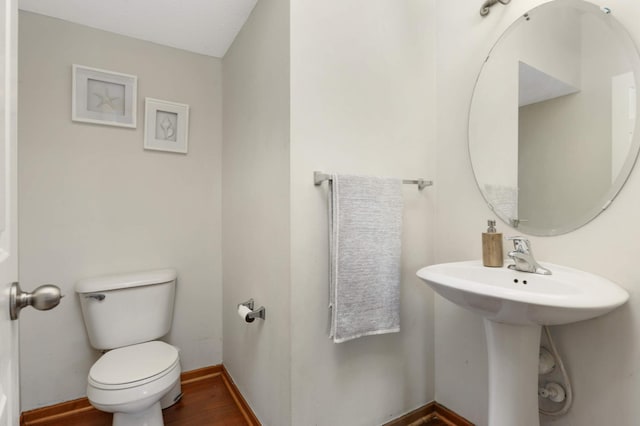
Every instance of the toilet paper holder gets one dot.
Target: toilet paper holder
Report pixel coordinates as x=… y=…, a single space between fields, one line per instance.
x=257 y=313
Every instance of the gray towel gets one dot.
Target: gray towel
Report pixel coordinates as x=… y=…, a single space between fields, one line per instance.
x=365 y=244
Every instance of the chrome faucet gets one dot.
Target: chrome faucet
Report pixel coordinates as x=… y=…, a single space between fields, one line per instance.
x=523 y=257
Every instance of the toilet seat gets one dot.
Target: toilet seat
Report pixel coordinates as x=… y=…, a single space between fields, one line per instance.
x=133 y=366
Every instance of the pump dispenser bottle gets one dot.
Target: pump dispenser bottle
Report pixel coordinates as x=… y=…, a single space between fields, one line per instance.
x=492 y=246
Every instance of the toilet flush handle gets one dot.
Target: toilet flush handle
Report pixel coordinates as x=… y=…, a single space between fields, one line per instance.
x=98 y=296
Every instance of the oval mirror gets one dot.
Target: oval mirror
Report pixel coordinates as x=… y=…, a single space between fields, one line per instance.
x=552 y=124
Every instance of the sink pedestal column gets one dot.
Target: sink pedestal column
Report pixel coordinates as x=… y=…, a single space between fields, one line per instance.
x=513 y=373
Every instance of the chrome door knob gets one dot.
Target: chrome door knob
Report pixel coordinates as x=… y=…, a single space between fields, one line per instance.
x=42 y=298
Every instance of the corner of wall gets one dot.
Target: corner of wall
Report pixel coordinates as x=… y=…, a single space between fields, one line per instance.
x=256 y=210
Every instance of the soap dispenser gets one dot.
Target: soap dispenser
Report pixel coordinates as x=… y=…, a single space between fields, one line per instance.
x=492 y=246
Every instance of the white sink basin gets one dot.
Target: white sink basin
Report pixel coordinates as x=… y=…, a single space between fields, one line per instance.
x=513 y=297
x=514 y=306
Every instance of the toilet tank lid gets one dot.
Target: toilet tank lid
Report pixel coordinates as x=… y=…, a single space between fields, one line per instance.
x=134 y=279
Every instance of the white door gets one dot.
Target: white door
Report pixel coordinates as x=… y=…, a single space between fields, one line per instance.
x=9 y=391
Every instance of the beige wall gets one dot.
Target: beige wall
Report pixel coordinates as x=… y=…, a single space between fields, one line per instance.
x=600 y=353
x=362 y=102
x=356 y=93
x=92 y=201
x=256 y=210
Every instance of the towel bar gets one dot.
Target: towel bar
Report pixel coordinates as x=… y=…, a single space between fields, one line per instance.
x=319 y=177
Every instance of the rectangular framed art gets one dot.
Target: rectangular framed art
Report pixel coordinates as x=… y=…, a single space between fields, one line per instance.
x=103 y=97
x=166 y=126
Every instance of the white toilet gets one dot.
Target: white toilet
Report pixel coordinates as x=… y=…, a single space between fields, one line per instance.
x=138 y=376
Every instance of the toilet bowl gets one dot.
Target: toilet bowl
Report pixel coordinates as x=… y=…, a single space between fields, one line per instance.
x=137 y=376
x=131 y=381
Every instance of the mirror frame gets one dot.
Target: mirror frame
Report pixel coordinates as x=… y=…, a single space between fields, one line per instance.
x=633 y=55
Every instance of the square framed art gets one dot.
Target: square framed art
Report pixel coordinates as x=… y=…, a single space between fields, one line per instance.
x=166 y=126
x=103 y=97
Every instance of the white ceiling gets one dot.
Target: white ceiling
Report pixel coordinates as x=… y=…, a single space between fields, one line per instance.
x=202 y=26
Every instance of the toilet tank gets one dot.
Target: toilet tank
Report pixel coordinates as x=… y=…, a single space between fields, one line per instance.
x=122 y=310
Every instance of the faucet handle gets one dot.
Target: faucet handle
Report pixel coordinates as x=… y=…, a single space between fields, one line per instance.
x=520 y=244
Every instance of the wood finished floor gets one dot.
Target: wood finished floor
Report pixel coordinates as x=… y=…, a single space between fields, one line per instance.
x=210 y=399
x=205 y=402
x=431 y=421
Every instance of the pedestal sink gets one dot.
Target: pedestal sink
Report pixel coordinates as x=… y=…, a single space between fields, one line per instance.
x=514 y=306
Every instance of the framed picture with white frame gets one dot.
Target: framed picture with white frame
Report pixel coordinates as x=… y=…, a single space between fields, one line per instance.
x=103 y=97
x=166 y=126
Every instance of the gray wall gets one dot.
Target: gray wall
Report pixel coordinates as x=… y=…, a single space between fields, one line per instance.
x=359 y=96
x=600 y=354
x=256 y=210
x=362 y=102
x=92 y=201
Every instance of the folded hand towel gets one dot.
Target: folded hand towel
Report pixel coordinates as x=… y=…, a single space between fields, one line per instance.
x=365 y=245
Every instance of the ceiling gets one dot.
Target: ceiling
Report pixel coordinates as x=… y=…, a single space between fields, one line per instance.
x=202 y=26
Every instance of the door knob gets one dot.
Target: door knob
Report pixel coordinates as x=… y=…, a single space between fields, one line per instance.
x=42 y=298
